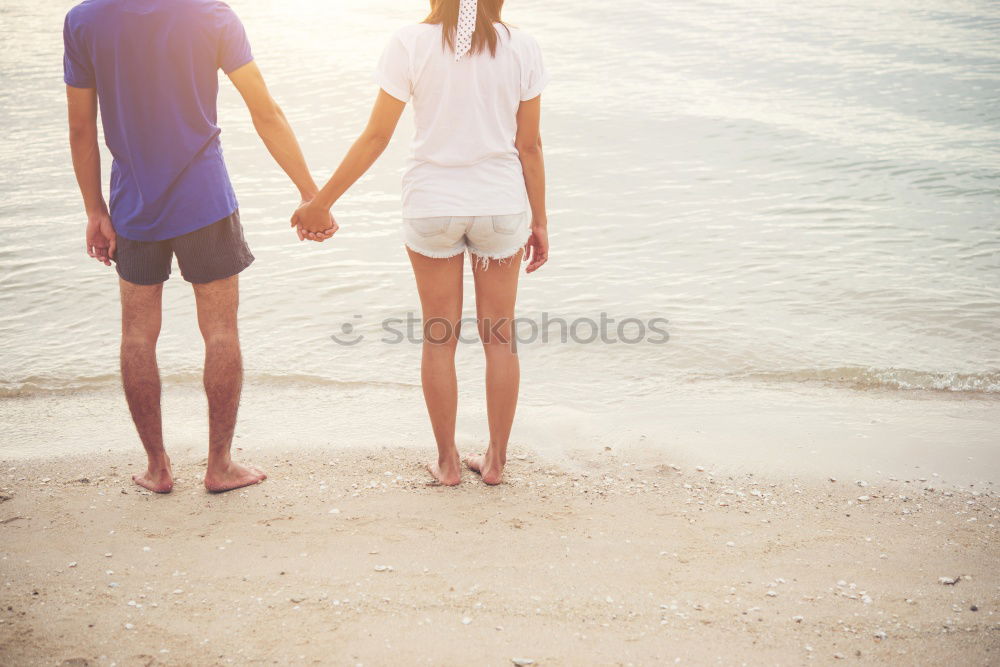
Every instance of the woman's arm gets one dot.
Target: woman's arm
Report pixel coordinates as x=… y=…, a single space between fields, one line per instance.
x=529 y=149
x=313 y=218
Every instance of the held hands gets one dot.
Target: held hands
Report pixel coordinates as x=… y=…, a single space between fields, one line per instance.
x=313 y=222
x=101 y=238
x=536 y=250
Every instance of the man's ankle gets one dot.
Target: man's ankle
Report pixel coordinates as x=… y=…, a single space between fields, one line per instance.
x=158 y=462
x=219 y=462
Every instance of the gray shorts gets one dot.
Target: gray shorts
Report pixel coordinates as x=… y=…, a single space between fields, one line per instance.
x=211 y=253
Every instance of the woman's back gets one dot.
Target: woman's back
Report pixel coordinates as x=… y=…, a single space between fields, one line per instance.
x=464 y=159
x=476 y=184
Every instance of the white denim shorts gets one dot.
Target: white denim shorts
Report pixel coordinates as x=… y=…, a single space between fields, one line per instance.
x=486 y=236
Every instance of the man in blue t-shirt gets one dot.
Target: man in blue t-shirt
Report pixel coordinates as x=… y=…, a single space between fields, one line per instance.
x=152 y=65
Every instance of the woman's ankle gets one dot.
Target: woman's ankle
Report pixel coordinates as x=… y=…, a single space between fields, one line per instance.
x=496 y=455
x=448 y=455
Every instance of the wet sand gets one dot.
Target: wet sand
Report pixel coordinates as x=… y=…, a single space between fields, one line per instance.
x=608 y=557
x=784 y=430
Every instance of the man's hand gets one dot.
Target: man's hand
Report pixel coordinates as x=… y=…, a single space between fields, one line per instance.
x=536 y=250
x=101 y=239
x=313 y=222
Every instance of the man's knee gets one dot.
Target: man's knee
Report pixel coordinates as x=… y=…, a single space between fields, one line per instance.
x=221 y=338
x=137 y=340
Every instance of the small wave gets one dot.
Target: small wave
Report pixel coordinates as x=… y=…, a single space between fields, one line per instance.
x=44 y=386
x=900 y=379
x=39 y=385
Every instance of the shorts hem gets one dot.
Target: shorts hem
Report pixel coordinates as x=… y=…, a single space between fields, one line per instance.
x=503 y=254
x=222 y=275
x=142 y=283
x=435 y=254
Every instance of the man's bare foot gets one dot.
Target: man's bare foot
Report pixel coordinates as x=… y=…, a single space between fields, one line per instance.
x=447 y=472
x=487 y=467
x=232 y=476
x=158 y=477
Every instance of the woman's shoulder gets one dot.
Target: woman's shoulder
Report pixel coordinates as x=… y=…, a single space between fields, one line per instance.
x=521 y=41
x=416 y=31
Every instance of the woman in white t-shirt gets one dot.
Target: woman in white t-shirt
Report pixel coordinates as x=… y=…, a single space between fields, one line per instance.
x=476 y=182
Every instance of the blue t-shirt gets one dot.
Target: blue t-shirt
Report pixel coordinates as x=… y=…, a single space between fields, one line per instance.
x=155 y=66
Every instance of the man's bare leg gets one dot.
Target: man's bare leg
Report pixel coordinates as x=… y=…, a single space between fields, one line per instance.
x=218 y=303
x=141 y=317
x=496 y=295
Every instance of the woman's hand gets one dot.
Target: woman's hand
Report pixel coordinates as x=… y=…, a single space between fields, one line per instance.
x=536 y=250
x=313 y=222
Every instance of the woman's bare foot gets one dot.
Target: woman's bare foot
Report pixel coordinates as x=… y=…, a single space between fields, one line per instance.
x=490 y=468
x=447 y=471
x=158 y=478
x=232 y=476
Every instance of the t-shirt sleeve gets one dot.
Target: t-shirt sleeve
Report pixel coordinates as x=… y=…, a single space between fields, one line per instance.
x=393 y=72
x=234 y=47
x=534 y=76
x=78 y=70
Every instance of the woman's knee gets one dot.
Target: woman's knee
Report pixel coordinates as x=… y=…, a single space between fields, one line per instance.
x=497 y=333
x=441 y=333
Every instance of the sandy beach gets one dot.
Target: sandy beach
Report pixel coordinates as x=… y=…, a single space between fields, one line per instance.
x=797 y=465
x=349 y=557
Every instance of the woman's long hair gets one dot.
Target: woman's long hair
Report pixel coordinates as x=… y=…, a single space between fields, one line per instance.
x=445 y=13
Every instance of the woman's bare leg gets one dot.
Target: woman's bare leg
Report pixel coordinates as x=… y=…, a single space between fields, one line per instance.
x=439 y=282
x=496 y=295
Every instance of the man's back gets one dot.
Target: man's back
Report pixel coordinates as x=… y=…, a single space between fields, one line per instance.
x=152 y=65
x=155 y=66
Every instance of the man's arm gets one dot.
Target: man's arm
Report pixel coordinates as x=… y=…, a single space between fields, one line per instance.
x=361 y=156
x=82 y=107
x=273 y=128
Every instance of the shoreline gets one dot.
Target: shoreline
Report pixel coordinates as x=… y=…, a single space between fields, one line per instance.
x=601 y=558
x=782 y=432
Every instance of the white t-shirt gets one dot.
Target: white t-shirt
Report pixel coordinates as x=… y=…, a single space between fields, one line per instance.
x=464 y=161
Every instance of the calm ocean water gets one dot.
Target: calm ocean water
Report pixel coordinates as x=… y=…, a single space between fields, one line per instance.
x=807 y=193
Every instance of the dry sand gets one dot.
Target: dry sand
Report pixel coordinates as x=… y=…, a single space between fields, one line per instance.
x=349 y=557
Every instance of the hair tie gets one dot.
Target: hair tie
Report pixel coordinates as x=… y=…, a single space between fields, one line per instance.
x=467 y=14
